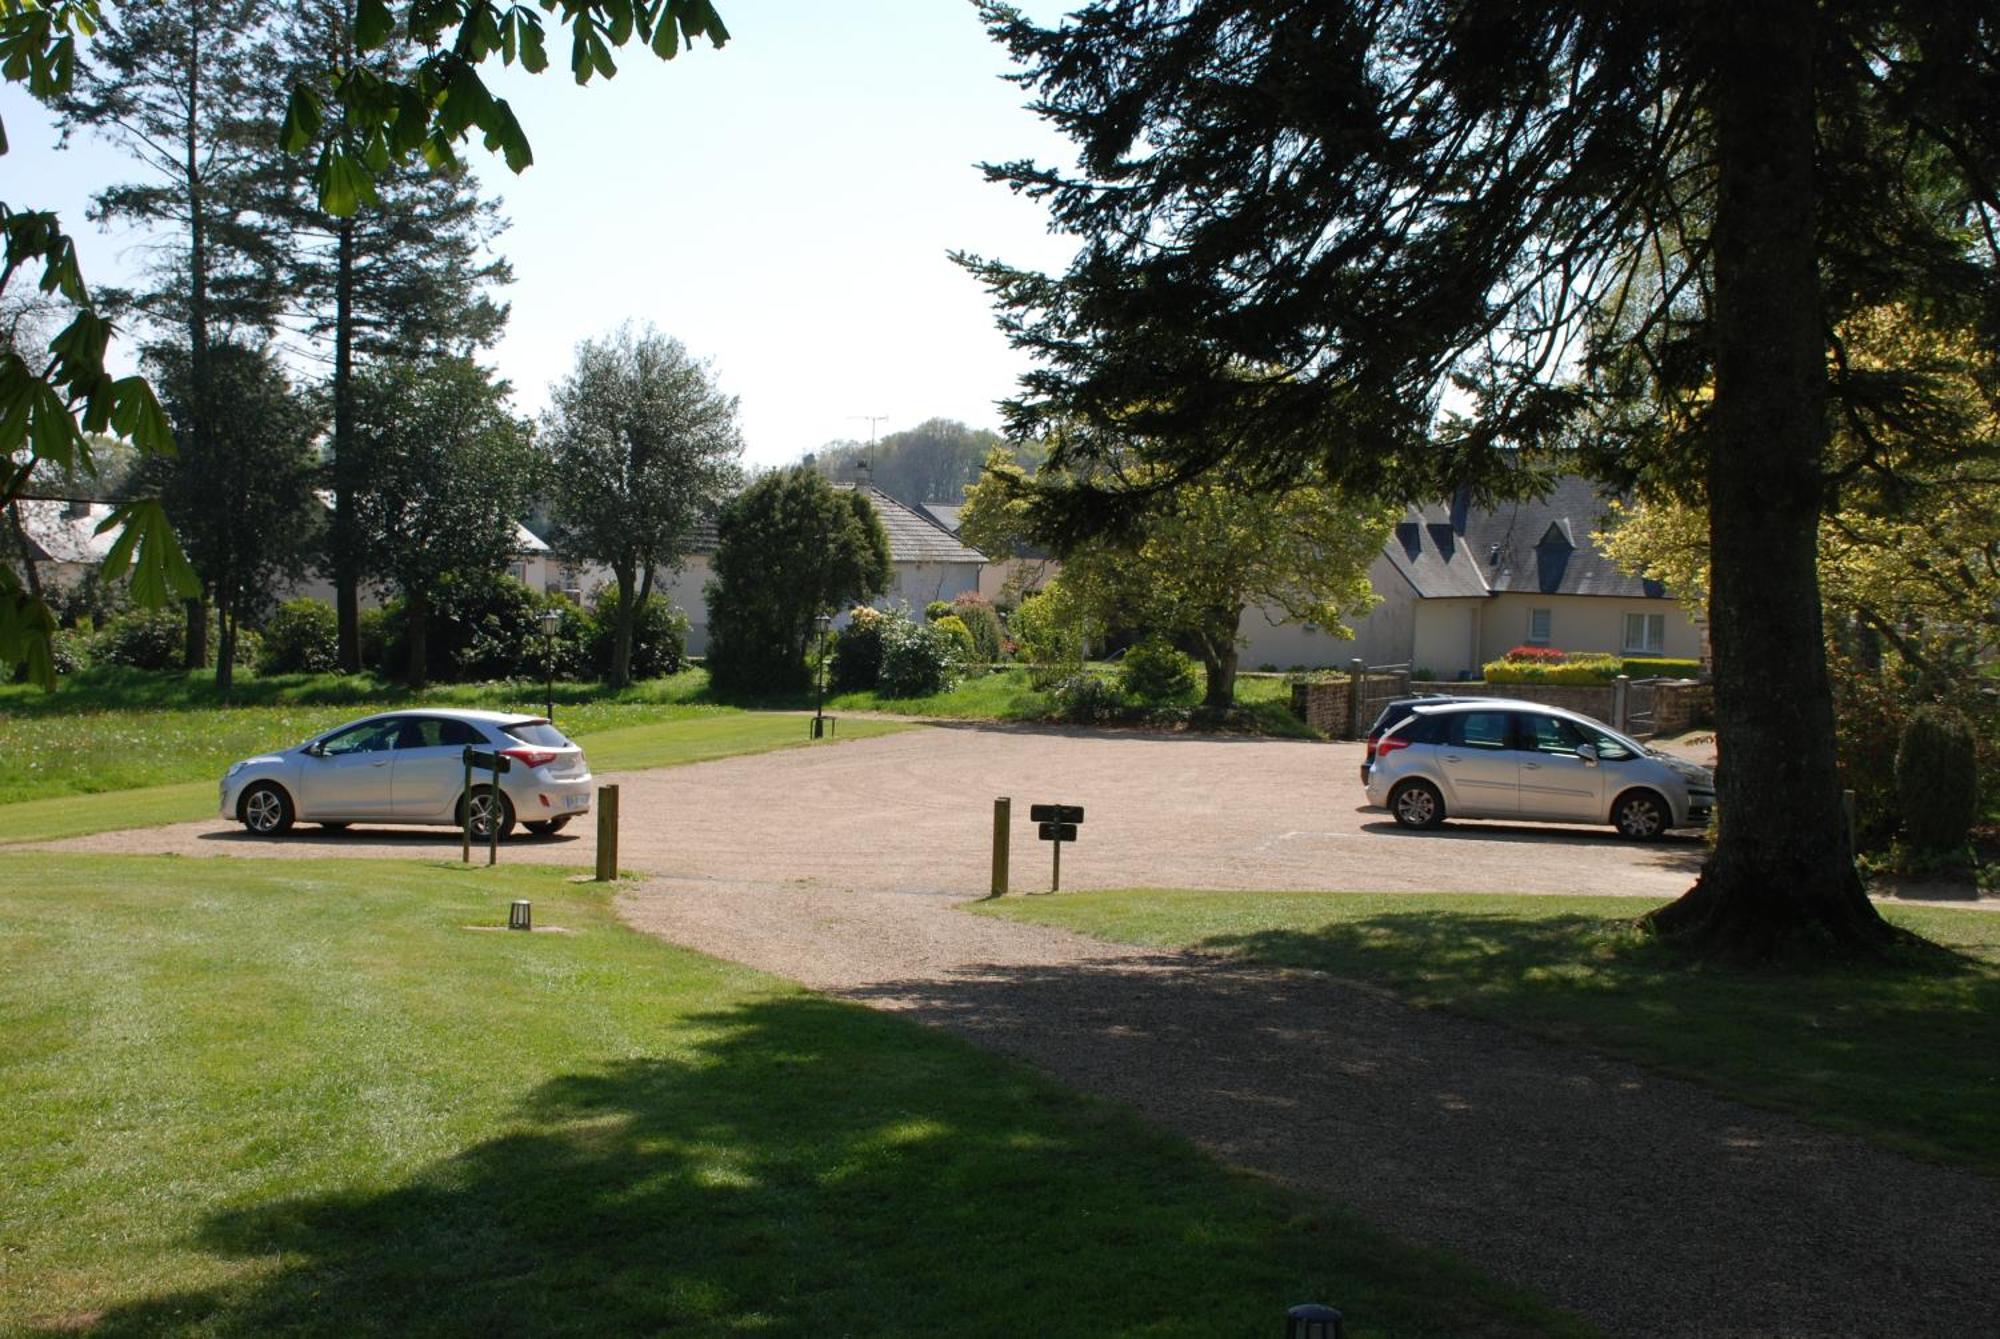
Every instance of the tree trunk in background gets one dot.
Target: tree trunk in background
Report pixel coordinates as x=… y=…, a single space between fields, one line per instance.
x=1782 y=870
x=417 y=632
x=1218 y=659
x=225 y=644
x=345 y=537
x=194 y=637
x=621 y=628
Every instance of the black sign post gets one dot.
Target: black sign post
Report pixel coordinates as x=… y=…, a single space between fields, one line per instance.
x=1056 y=823
x=496 y=763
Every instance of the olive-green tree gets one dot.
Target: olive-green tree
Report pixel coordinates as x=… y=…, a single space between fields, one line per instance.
x=791 y=547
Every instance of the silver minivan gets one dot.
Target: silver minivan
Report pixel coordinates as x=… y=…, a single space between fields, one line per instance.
x=1527 y=761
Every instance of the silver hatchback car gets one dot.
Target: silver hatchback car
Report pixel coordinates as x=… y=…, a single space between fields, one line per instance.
x=408 y=767
x=1527 y=761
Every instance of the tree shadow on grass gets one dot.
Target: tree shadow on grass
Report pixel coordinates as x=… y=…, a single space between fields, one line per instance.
x=811 y=1167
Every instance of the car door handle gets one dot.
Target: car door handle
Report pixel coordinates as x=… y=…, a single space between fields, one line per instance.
x=1453 y=757
x=1532 y=766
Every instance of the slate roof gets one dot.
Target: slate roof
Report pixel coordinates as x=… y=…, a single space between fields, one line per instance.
x=1538 y=546
x=913 y=536
x=66 y=534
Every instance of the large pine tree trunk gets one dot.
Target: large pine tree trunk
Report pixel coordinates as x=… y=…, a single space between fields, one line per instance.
x=225 y=642
x=1782 y=872
x=194 y=646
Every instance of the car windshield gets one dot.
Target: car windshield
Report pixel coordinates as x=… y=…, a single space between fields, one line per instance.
x=539 y=733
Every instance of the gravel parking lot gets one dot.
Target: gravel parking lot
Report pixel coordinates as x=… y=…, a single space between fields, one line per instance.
x=913 y=812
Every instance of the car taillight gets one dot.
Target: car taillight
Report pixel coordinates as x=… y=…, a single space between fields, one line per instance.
x=530 y=758
x=1389 y=745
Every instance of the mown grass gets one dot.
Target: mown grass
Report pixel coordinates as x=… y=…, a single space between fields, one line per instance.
x=123 y=730
x=256 y=1097
x=1906 y=1053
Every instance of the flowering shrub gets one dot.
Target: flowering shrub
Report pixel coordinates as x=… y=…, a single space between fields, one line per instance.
x=1535 y=655
x=918 y=659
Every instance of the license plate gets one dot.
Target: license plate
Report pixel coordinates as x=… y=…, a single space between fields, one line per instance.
x=576 y=801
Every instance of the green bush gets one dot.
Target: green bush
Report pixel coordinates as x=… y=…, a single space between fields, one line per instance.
x=936 y=610
x=918 y=659
x=69 y=648
x=1153 y=672
x=147 y=639
x=1084 y=698
x=1937 y=778
x=372 y=632
x=954 y=627
x=1659 y=667
x=857 y=651
x=1576 y=669
x=483 y=627
x=659 y=636
x=1048 y=629
x=983 y=621
x=301 y=637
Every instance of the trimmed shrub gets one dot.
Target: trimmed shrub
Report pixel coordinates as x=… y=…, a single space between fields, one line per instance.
x=857 y=651
x=983 y=621
x=1048 y=630
x=1659 y=667
x=1578 y=669
x=936 y=610
x=1937 y=778
x=1153 y=672
x=1535 y=655
x=918 y=659
x=954 y=627
x=147 y=639
x=302 y=637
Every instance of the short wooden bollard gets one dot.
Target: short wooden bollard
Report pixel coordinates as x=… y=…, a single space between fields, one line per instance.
x=607 y=834
x=1002 y=822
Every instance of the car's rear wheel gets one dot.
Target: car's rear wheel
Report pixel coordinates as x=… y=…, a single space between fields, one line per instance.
x=546 y=827
x=483 y=814
x=1640 y=816
x=266 y=810
x=1417 y=804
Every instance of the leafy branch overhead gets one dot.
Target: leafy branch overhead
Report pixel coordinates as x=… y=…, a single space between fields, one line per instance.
x=443 y=100
x=52 y=399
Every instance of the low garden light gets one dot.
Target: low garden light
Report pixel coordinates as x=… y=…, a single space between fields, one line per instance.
x=551 y=619
x=825 y=624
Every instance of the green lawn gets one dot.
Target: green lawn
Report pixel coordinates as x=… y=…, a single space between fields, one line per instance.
x=253 y=1097
x=1908 y=1055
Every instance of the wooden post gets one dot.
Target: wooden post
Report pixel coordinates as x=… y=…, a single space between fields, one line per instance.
x=607 y=834
x=1621 y=700
x=465 y=809
x=1003 y=810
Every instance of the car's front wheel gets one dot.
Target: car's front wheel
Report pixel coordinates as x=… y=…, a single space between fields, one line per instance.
x=1640 y=816
x=266 y=810
x=1417 y=804
x=483 y=812
x=546 y=827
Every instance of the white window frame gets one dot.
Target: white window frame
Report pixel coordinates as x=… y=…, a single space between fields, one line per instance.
x=1652 y=639
x=1548 y=621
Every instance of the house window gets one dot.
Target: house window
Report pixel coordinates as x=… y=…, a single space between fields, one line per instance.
x=1645 y=634
x=1538 y=627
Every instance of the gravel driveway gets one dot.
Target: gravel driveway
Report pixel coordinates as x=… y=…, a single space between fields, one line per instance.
x=1644 y=1204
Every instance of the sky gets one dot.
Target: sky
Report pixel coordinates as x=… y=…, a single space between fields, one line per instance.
x=783 y=206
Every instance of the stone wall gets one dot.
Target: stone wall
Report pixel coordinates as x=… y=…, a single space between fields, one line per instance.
x=1680 y=707
x=1327 y=707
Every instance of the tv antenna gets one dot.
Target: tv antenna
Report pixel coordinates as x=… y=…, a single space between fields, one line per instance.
x=872 y=420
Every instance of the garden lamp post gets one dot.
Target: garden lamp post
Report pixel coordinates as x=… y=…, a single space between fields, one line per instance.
x=550 y=618
x=825 y=622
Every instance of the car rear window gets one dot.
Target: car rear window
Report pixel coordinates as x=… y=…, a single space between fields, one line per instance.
x=539 y=733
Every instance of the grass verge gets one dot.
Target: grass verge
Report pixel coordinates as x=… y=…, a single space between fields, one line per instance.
x=252 y=1097
x=1903 y=1053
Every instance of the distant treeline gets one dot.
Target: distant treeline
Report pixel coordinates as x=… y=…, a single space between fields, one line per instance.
x=932 y=462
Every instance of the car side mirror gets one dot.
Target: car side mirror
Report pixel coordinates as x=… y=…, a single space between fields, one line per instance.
x=1587 y=752
x=316 y=749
